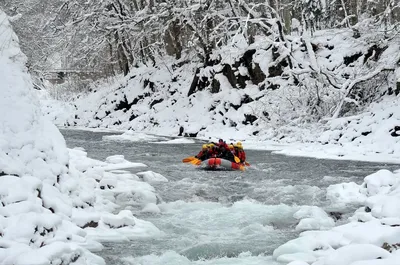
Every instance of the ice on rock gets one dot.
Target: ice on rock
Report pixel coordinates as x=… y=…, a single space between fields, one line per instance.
x=382 y=189
x=300 y=258
x=84 y=218
x=56 y=201
x=124 y=218
x=298 y=263
x=345 y=193
x=121 y=227
x=380 y=182
x=315 y=243
x=347 y=255
x=178 y=141
x=384 y=206
x=108 y=183
x=15 y=189
x=312 y=218
x=31 y=228
x=377 y=262
x=151 y=208
x=151 y=177
x=21 y=207
x=54 y=253
x=116 y=159
x=371 y=231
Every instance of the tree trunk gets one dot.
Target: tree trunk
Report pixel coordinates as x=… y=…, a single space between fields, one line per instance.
x=194 y=82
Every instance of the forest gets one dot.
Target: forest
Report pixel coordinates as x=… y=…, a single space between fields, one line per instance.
x=115 y=37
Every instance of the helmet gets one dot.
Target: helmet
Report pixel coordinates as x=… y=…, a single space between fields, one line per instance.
x=210 y=145
x=231 y=146
x=239 y=145
x=205 y=146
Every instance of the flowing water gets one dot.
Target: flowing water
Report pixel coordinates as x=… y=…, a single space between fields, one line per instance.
x=220 y=217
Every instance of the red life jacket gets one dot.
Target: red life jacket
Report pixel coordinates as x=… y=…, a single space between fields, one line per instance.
x=242 y=156
x=212 y=152
x=236 y=151
x=224 y=145
x=201 y=155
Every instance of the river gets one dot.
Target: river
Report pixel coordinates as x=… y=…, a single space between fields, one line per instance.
x=221 y=217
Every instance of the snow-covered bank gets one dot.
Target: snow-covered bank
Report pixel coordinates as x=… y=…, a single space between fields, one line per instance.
x=370 y=238
x=35 y=229
x=370 y=136
x=56 y=203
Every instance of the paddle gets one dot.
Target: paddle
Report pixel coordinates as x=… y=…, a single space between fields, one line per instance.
x=188 y=159
x=237 y=159
x=247 y=163
x=195 y=161
x=192 y=160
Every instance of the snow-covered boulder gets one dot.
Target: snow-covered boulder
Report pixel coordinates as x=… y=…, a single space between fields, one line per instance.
x=371 y=237
x=151 y=208
x=313 y=218
x=381 y=181
x=347 y=255
x=345 y=193
x=151 y=177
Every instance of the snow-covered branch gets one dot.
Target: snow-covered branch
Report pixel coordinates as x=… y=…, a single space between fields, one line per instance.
x=348 y=86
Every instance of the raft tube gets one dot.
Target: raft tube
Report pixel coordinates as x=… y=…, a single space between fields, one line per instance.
x=219 y=163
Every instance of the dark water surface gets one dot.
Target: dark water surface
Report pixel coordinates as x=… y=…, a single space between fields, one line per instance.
x=211 y=217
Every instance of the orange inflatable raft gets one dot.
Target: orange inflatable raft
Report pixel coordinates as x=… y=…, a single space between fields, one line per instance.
x=219 y=163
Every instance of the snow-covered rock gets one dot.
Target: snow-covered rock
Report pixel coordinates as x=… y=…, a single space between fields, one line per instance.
x=345 y=193
x=371 y=236
x=151 y=208
x=313 y=218
x=151 y=177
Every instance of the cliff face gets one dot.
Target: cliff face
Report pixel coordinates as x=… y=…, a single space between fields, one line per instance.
x=250 y=90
